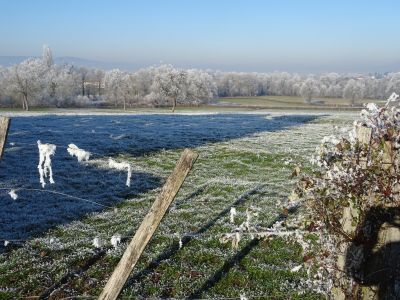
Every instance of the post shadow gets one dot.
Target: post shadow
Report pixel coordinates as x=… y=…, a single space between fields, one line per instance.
x=175 y=247
x=235 y=260
x=376 y=267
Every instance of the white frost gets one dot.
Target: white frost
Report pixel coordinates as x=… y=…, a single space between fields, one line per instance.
x=13 y=194
x=372 y=107
x=115 y=240
x=393 y=97
x=296 y=269
x=122 y=166
x=80 y=154
x=44 y=166
x=96 y=242
x=233 y=214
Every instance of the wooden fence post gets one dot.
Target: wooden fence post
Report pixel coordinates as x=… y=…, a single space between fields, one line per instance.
x=388 y=233
x=4 y=125
x=363 y=135
x=148 y=226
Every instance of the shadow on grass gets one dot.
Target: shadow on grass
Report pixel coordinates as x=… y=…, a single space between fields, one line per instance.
x=34 y=212
x=233 y=261
x=171 y=251
x=370 y=260
x=175 y=247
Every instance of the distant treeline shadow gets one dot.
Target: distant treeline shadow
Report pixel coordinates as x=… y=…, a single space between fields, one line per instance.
x=35 y=212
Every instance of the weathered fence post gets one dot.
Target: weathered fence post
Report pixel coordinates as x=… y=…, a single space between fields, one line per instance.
x=349 y=213
x=148 y=226
x=388 y=232
x=4 y=124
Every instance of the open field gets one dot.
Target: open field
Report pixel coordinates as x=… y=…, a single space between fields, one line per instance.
x=226 y=104
x=290 y=102
x=245 y=162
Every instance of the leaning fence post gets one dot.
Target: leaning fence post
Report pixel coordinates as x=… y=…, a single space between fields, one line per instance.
x=4 y=124
x=148 y=226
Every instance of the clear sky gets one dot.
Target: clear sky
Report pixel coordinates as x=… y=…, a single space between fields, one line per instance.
x=243 y=35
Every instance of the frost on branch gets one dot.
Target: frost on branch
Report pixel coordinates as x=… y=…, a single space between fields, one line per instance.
x=80 y=154
x=13 y=194
x=121 y=166
x=44 y=166
x=296 y=269
x=245 y=228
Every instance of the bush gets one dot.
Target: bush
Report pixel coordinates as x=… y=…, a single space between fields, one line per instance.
x=352 y=193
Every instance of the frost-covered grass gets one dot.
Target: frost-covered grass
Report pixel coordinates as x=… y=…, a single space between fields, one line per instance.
x=245 y=162
x=289 y=102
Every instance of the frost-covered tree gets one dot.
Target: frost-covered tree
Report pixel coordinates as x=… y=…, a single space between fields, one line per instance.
x=115 y=87
x=200 y=87
x=62 y=87
x=98 y=78
x=82 y=75
x=170 y=83
x=393 y=84
x=163 y=85
x=47 y=56
x=309 y=89
x=3 y=77
x=354 y=90
x=27 y=80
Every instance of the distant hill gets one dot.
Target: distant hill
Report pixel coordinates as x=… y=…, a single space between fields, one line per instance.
x=7 y=61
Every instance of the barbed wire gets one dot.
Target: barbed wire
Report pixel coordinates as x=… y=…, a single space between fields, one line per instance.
x=263 y=232
x=17 y=144
x=252 y=234
x=56 y=193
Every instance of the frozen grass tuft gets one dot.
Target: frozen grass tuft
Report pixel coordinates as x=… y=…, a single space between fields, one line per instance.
x=122 y=166
x=80 y=154
x=185 y=257
x=44 y=166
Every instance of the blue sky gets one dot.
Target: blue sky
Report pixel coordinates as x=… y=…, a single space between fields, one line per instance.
x=243 y=35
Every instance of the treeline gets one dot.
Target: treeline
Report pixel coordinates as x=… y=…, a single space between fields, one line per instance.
x=39 y=82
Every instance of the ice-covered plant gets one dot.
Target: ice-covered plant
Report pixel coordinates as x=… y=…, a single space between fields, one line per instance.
x=44 y=166
x=80 y=154
x=245 y=227
x=360 y=170
x=356 y=180
x=121 y=166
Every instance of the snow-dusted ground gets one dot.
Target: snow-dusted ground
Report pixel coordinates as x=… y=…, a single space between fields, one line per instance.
x=104 y=136
x=245 y=161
